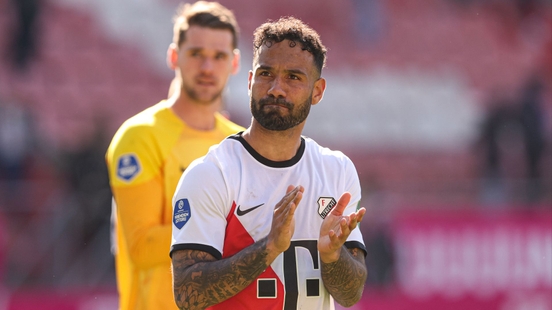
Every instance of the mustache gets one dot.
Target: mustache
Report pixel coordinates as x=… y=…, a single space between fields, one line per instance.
x=278 y=101
x=205 y=76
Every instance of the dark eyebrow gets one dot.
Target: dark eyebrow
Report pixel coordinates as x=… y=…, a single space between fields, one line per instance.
x=261 y=67
x=296 y=72
x=199 y=49
x=195 y=49
x=290 y=71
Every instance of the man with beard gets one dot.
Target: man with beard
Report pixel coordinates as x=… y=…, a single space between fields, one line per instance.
x=268 y=218
x=151 y=150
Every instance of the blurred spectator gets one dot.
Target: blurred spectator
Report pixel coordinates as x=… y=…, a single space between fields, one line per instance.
x=23 y=45
x=17 y=138
x=511 y=127
x=496 y=121
x=516 y=20
x=532 y=122
x=86 y=174
x=380 y=257
x=368 y=21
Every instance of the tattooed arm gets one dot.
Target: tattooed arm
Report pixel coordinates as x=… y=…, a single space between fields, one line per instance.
x=345 y=278
x=343 y=271
x=200 y=280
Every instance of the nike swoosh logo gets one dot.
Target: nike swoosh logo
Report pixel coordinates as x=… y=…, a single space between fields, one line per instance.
x=241 y=212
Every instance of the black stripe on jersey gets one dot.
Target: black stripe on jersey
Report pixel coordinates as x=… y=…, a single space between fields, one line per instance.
x=195 y=246
x=356 y=244
x=266 y=161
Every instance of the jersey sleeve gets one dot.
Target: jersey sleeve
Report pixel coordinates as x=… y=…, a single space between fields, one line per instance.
x=134 y=165
x=133 y=157
x=200 y=209
x=352 y=185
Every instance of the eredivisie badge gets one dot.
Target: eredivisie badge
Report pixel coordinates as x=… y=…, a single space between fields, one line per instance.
x=181 y=213
x=128 y=167
x=325 y=205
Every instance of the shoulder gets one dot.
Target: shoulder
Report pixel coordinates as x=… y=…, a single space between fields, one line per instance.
x=203 y=168
x=326 y=154
x=206 y=172
x=139 y=128
x=144 y=121
x=216 y=158
x=226 y=125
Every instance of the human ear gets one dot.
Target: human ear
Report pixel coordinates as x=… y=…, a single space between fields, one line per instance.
x=236 y=61
x=318 y=90
x=172 y=56
x=249 y=78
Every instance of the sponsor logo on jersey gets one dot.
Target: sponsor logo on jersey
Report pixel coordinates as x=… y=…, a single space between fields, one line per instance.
x=325 y=205
x=241 y=212
x=128 y=167
x=182 y=213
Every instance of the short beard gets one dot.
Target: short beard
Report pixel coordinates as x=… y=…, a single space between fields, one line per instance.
x=192 y=94
x=272 y=120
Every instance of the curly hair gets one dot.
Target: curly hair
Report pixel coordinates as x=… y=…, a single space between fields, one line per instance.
x=294 y=30
x=204 y=14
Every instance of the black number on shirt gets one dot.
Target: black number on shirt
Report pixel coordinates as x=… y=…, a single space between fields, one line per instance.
x=291 y=281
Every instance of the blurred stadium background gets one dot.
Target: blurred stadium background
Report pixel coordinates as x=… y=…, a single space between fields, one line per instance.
x=445 y=106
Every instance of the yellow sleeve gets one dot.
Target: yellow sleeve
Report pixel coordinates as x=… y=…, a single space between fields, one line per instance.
x=135 y=163
x=139 y=217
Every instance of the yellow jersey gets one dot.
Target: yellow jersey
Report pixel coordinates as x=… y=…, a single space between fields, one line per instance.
x=145 y=159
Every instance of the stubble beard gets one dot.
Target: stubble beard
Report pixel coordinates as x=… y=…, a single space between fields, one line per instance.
x=195 y=96
x=273 y=120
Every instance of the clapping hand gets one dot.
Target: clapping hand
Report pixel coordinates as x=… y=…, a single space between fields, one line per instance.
x=336 y=228
x=283 y=221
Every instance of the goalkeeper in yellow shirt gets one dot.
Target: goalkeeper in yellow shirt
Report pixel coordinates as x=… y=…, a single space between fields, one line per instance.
x=150 y=151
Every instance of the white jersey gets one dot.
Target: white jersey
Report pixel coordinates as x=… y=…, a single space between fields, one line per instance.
x=225 y=201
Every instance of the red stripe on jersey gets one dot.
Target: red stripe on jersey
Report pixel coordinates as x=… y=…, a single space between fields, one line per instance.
x=236 y=239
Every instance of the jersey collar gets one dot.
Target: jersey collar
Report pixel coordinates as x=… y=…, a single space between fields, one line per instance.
x=266 y=161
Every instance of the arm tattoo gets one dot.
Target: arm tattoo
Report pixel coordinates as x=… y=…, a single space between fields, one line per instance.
x=345 y=278
x=200 y=281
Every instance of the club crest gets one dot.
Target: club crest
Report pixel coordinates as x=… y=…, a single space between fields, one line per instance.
x=325 y=205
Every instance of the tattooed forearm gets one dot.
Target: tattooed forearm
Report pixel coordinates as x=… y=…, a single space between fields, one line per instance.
x=345 y=278
x=201 y=281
